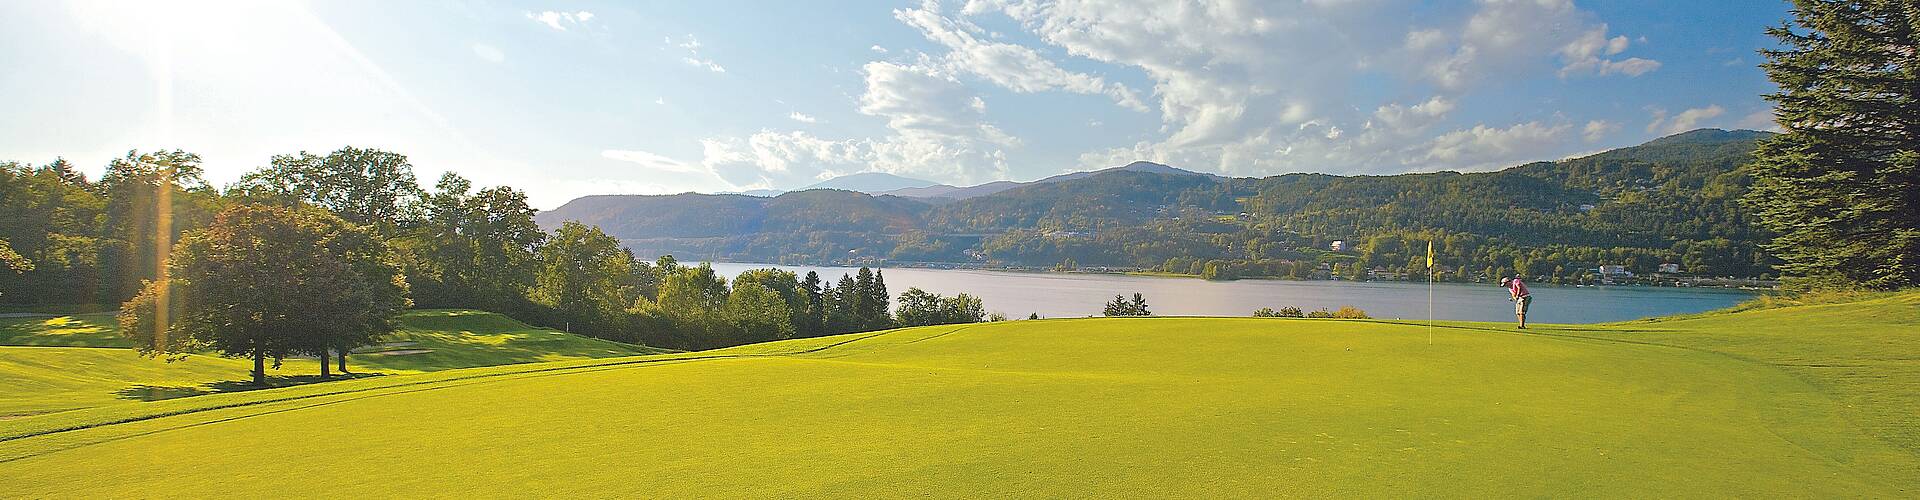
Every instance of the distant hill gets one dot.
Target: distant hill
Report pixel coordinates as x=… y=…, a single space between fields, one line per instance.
x=962 y=193
x=1671 y=200
x=869 y=182
x=1138 y=166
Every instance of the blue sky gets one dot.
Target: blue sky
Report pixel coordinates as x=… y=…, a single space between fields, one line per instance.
x=564 y=99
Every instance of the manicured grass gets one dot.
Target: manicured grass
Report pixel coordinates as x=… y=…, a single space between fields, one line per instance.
x=1813 y=401
x=57 y=363
x=80 y=330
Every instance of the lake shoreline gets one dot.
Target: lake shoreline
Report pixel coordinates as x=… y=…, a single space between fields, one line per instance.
x=1079 y=294
x=1743 y=284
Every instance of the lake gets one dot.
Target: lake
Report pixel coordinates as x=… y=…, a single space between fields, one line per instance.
x=1063 y=295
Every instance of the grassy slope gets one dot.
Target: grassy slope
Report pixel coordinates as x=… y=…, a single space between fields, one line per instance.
x=66 y=362
x=1814 y=401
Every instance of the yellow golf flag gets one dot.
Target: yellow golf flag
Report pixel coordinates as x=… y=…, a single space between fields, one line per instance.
x=1429 y=255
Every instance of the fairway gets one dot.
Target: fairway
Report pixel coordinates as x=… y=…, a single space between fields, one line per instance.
x=58 y=363
x=1804 y=401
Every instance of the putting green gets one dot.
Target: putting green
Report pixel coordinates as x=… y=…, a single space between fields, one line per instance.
x=1809 y=401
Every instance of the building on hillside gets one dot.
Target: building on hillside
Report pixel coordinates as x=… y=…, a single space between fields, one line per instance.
x=1324 y=272
x=1338 y=246
x=1615 y=270
x=1670 y=268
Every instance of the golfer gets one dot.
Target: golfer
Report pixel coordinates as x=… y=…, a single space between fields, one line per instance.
x=1517 y=292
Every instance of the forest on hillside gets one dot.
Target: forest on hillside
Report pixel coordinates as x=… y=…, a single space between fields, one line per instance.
x=1675 y=200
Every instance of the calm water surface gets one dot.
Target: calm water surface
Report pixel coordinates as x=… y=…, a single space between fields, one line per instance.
x=1055 y=295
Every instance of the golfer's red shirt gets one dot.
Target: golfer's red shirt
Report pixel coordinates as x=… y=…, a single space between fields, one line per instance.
x=1519 y=288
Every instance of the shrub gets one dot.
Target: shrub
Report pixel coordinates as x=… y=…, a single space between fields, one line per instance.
x=1284 y=312
x=1350 y=312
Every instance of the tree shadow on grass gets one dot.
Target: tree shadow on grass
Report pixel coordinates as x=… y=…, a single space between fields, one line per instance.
x=145 y=392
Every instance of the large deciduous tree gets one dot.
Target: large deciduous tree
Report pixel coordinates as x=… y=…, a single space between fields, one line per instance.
x=695 y=300
x=136 y=225
x=921 y=308
x=364 y=186
x=1841 y=186
x=580 y=277
x=472 y=249
x=266 y=282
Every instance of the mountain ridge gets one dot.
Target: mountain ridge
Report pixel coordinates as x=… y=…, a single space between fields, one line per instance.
x=1661 y=199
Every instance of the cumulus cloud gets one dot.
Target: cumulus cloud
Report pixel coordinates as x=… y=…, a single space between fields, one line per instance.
x=1483 y=146
x=1687 y=120
x=1015 y=67
x=560 y=20
x=938 y=131
x=1415 y=117
x=803 y=117
x=1588 y=55
x=1597 y=130
x=1240 y=88
x=878 y=49
x=1507 y=35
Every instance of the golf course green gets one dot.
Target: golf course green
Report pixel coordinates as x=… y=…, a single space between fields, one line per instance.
x=1805 y=401
x=54 y=363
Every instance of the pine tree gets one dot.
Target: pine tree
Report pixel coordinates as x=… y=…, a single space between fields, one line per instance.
x=816 y=311
x=879 y=312
x=1138 y=306
x=1841 y=186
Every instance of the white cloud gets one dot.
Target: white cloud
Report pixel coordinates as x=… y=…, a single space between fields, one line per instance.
x=488 y=53
x=1685 y=121
x=660 y=101
x=938 y=131
x=803 y=117
x=704 y=63
x=692 y=45
x=1597 y=130
x=1504 y=36
x=1242 y=88
x=652 y=161
x=1587 y=55
x=1416 y=117
x=878 y=49
x=1483 y=146
x=1015 y=67
x=1760 y=120
x=560 y=20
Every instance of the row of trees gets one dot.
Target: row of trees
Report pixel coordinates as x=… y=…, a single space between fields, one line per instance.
x=316 y=254
x=1470 y=258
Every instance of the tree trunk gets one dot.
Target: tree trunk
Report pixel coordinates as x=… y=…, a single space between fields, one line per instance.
x=259 y=368
x=343 y=361
x=324 y=362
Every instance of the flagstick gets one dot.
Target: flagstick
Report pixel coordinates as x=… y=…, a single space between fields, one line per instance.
x=1429 y=292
